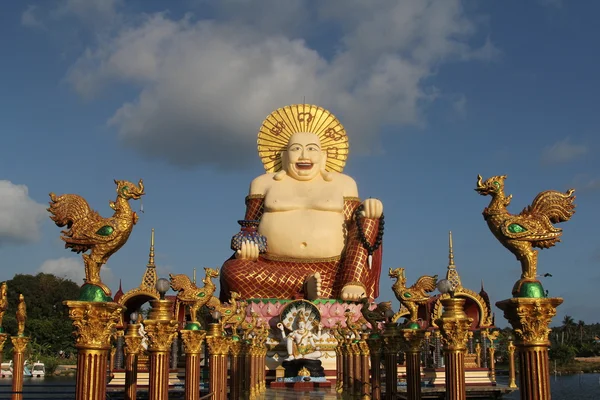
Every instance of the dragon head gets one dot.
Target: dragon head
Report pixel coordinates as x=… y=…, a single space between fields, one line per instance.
x=179 y=282
x=398 y=273
x=211 y=272
x=492 y=186
x=129 y=190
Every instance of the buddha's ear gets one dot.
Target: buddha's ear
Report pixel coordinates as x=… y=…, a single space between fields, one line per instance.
x=324 y=173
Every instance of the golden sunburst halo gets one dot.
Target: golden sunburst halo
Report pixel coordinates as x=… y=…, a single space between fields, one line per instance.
x=282 y=123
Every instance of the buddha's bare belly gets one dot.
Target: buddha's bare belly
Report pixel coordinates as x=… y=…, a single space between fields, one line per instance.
x=303 y=233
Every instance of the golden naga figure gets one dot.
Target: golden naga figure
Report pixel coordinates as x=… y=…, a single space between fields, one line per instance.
x=21 y=315
x=190 y=294
x=3 y=302
x=531 y=228
x=415 y=295
x=88 y=230
x=305 y=230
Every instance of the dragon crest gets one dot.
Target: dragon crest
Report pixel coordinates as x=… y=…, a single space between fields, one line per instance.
x=191 y=295
x=415 y=295
x=88 y=230
x=532 y=227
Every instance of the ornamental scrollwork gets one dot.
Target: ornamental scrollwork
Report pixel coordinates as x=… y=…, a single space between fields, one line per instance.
x=455 y=333
x=94 y=322
x=192 y=341
x=160 y=334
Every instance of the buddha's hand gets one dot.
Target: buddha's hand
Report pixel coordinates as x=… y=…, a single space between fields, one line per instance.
x=372 y=208
x=248 y=251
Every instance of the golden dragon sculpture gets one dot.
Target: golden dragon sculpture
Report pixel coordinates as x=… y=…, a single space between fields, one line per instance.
x=191 y=295
x=88 y=230
x=21 y=315
x=415 y=295
x=232 y=313
x=533 y=227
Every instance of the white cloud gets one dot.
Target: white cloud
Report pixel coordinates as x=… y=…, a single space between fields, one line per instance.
x=30 y=19
x=562 y=151
x=20 y=216
x=72 y=268
x=205 y=86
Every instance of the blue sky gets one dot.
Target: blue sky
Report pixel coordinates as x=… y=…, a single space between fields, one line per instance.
x=431 y=94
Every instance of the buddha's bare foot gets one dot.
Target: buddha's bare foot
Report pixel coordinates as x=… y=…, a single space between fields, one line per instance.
x=312 y=286
x=353 y=292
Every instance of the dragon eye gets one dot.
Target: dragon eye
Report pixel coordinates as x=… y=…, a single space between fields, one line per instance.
x=125 y=188
x=497 y=184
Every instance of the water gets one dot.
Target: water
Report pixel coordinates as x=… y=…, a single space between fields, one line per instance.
x=566 y=387
x=571 y=387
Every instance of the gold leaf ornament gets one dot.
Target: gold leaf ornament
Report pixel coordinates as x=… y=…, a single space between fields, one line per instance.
x=282 y=123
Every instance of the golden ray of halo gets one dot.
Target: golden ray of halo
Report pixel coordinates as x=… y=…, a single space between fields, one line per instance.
x=282 y=123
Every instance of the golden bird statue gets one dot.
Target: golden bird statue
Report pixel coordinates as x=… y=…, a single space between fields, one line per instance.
x=415 y=295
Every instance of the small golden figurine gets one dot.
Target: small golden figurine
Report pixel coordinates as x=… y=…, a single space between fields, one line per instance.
x=520 y=233
x=190 y=294
x=378 y=314
x=232 y=313
x=415 y=295
x=3 y=302
x=21 y=315
x=88 y=230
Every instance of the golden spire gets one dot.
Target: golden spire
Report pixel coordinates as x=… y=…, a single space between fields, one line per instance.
x=149 y=279
x=194 y=275
x=151 y=255
x=452 y=274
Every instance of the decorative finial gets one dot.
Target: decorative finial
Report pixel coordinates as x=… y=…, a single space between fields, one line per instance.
x=21 y=315
x=151 y=256
x=194 y=275
x=451 y=251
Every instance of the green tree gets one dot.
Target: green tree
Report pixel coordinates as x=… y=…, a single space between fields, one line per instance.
x=48 y=323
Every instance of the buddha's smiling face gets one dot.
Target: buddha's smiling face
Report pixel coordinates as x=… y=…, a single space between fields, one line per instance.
x=304 y=157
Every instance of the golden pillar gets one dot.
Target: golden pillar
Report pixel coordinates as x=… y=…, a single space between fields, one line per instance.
x=19 y=346
x=192 y=343
x=347 y=361
x=511 y=365
x=478 y=354
x=94 y=323
x=530 y=318
x=218 y=348
x=262 y=360
x=454 y=325
x=133 y=347
x=161 y=329
x=339 y=362
x=375 y=344
x=363 y=346
x=391 y=339
x=414 y=339
x=3 y=337
x=245 y=367
x=357 y=377
x=236 y=369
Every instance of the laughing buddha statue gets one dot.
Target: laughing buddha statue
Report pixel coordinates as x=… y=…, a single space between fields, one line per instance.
x=305 y=232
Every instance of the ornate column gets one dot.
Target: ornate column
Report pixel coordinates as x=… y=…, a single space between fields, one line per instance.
x=454 y=325
x=426 y=346
x=339 y=363
x=478 y=354
x=375 y=344
x=364 y=367
x=470 y=347
x=19 y=346
x=484 y=348
x=218 y=348
x=511 y=365
x=391 y=339
x=348 y=360
x=192 y=344
x=492 y=336
x=94 y=323
x=414 y=339
x=236 y=369
x=174 y=353
x=133 y=347
x=262 y=356
x=530 y=318
x=245 y=369
x=118 y=364
x=437 y=355
x=356 y=365
x=161 y=329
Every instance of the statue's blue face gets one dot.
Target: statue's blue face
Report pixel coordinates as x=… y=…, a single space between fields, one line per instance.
x=304 y=156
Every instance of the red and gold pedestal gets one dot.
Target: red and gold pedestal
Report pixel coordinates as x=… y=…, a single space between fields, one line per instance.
x=94 y=323
x=19 y=346
x=236 y=369
x=530 y=319
x=414 y=340
x=192 y=344
x=375 y=345
x=391 y=339
x=133 y=347
x=161 y=329
x=454 y=326
x=363 y=347
x=218 y=348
